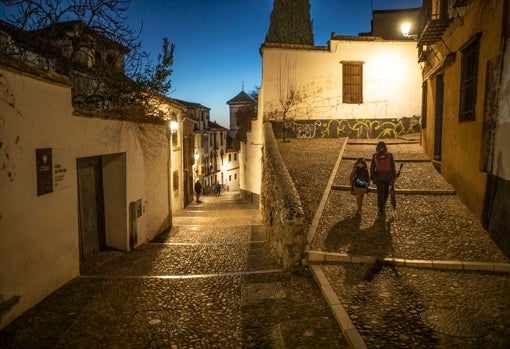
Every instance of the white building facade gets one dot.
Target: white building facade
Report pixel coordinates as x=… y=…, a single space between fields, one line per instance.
x=361 y=87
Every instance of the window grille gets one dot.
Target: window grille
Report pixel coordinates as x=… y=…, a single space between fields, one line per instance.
x=352 y=82
x=468 y=79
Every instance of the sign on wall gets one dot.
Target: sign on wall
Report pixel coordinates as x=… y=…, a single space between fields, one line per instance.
x=52 y=173
x=43 y=160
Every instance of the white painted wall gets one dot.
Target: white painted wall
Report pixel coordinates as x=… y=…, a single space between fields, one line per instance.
x=250 y=155
x=39 y=243
x=391 y=79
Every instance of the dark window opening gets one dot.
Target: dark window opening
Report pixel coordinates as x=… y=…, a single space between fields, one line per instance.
x=469 y=72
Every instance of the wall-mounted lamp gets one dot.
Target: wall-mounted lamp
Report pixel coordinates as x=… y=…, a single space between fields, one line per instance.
x=406 y=28
x=197 y=157
x=174 y=124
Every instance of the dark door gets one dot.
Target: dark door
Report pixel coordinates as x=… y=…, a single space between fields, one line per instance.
x=90 y=205
x=438 y=124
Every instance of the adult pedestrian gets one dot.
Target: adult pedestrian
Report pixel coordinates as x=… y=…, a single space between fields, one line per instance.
x=217 y=189
x=198 y=189
x=382 y=173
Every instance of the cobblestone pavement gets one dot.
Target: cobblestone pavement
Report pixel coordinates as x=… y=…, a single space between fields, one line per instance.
x=207 y=283
x=394 y=305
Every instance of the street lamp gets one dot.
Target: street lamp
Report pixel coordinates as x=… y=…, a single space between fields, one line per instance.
x=174 y=124
x=406 y=28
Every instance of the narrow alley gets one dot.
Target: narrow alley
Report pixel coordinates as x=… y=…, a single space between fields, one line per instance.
x=207 y=283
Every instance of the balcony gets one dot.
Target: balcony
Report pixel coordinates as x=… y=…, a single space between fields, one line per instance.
x=433 y=31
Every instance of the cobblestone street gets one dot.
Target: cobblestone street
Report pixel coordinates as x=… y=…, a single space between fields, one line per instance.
x=422 y=292
x=207 y=283
x=425 y=276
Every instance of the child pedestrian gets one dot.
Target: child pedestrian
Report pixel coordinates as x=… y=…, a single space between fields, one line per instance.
x=360 y=180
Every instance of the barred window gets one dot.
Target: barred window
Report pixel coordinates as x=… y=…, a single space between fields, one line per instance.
x=468 y=79
x=352 y=82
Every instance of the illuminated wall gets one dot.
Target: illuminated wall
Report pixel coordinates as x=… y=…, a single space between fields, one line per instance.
x=391 y=80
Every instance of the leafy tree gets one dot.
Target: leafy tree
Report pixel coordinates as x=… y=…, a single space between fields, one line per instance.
x=290 y=23
x=96 y=48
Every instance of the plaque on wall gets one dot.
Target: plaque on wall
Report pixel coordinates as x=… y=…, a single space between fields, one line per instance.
x=43 y=159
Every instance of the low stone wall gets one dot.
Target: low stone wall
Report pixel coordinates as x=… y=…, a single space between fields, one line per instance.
x=281 y=206
x=352 y=128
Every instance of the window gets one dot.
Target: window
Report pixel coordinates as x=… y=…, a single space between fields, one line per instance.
x=468 y=78
x=229 y=157
x=352 y=82
x=235 y=156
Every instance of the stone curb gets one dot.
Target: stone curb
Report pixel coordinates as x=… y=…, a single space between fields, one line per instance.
x=316 y=257
x=349 y=331
x=325 y=195
x=402 y=191
x=399 y=160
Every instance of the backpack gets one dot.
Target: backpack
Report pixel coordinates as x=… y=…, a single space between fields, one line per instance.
x=382 y=163
x=361 y=177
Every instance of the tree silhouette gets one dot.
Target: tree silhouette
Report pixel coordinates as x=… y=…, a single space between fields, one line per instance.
x=290 y=23
x=95 y=47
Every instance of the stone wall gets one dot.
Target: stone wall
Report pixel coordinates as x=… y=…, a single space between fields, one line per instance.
x=281 y=206
x=352 y=128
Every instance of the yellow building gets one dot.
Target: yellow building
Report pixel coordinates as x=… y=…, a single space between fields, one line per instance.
x=464 y=128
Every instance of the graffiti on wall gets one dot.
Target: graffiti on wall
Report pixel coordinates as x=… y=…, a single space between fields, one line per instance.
x=353 y=128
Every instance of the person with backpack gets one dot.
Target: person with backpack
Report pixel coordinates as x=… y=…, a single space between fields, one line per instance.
x=360 y=179
x=383 y=173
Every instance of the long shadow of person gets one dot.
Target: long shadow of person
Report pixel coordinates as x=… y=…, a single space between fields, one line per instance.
x=343 y=234
x=381 y=246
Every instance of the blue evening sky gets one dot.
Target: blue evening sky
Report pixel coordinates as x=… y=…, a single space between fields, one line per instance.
x=217 y=41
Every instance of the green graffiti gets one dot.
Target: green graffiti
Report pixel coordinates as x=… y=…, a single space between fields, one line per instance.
x=353 y=128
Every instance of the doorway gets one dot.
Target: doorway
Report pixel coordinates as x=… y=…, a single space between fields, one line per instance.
x=438 y=124
x=92 y=236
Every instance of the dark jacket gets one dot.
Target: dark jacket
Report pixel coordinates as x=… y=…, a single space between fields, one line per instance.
x=383 y=177
x=198 y=187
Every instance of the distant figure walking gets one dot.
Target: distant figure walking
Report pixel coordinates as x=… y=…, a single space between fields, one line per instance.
x=360 y=180
x=198 y=189
x=217 y=189
x=382 y=172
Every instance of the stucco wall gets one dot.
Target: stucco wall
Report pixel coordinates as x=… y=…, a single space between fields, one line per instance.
x=250 y=161
x=391 y=80
x=461 y=146
x=39 y=239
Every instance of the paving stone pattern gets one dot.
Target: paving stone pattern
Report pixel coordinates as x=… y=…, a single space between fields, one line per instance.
x=209 y=282
x=403 y=307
